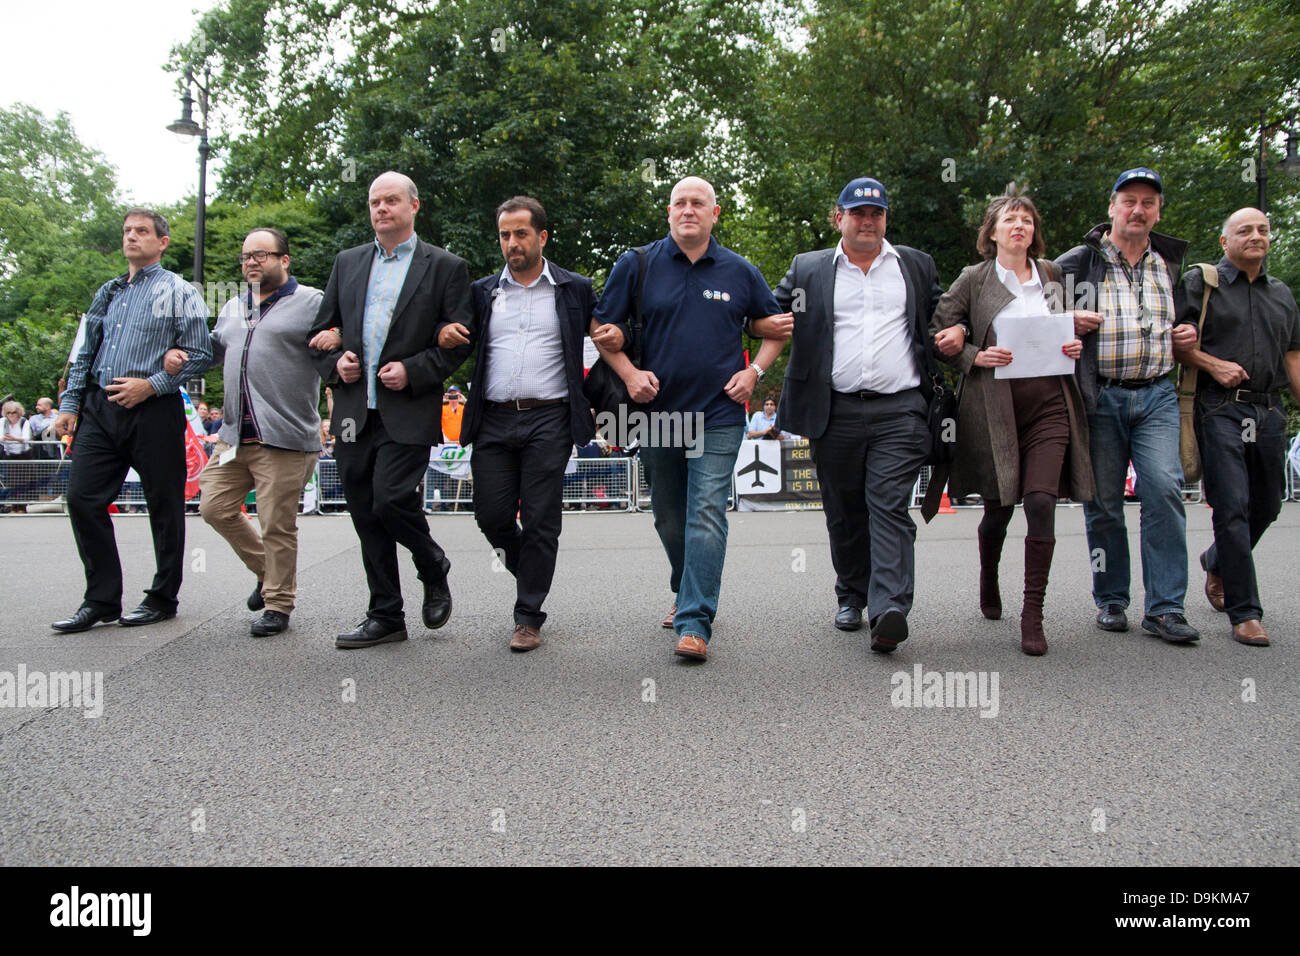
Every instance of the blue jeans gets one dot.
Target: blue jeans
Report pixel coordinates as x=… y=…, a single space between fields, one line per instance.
x=689 y=497
x=1141 y=425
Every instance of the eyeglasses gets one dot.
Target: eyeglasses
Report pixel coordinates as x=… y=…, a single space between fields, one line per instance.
x=11 y=413
x=257 y=255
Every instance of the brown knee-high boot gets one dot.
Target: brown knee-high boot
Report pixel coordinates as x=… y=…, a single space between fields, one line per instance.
x=1038 y=561
x=990 y=555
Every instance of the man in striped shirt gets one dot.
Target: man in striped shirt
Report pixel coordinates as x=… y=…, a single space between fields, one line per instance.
x=126 y=412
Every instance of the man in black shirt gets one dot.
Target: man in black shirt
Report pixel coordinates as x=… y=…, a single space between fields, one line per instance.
x=1248 y=351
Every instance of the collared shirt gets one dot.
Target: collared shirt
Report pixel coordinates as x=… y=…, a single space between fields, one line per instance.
x=872 y=346
x=131 y=324
x=524 y=349
x=248 y=430
x=759 y=422
x=387 y=276
x=694 y=314
x=1029 y=298
x=1251 y=323
x=1137 y=307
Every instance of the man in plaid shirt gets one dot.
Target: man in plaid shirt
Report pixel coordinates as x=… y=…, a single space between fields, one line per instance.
x=1132 y=405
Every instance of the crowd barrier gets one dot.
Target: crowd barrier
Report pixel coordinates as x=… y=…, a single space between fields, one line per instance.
x=595 y=484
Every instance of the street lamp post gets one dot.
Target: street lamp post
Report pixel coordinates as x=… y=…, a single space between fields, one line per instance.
x=185 y=126
x=1290 y=163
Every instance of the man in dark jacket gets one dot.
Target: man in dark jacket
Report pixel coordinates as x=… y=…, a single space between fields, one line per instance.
x=377 y=327
x=859 y=358
x=1126 y=272
x=526 y=409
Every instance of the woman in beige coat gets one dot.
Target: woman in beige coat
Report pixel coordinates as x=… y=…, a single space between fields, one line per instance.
x=1018 y=439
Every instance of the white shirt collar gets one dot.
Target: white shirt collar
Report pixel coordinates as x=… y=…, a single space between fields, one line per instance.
x=886 y=249
x=546 y=274
x=1034 y=279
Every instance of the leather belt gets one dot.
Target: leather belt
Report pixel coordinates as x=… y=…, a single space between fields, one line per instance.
x=1246 y=397
x=1129 y=383
x=524 y=404
x=865 y=395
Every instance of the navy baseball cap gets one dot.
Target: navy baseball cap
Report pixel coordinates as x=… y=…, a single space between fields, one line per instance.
x=1139 y=175
x=863 y=191
x=453 y=388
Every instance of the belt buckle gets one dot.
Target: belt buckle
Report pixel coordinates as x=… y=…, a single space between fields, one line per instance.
x=1236 y=396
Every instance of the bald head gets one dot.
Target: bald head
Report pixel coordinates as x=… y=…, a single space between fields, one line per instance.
x=692 y=212
x=394 y=201
x=395 y=180
x=1245 y=239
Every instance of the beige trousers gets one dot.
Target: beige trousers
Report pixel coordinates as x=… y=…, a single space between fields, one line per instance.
x=279 y=477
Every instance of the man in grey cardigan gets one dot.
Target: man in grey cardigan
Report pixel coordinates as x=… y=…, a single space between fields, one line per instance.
x=270 y=438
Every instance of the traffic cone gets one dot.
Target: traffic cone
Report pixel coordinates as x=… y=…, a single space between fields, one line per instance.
x=945 y=506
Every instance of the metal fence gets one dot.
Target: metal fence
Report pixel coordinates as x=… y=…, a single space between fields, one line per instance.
x=596 y=484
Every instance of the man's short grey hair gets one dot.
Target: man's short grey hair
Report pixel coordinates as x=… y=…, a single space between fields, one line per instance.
x=412 y=191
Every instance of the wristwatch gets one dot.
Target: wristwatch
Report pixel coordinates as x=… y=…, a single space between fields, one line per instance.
x=758 y=370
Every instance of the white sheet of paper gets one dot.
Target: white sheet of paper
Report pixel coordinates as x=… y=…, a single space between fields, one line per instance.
x=1034 y=342
x=227 y=456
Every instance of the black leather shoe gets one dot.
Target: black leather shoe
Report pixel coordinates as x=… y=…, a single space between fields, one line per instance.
x=1111 y=617
x=1171 y=627
x=255 y=602
x=889 y=631
x=437 y=600
x=369 y=633
x=85 y=618
x=272 y=622
x=145 y=614
x=848 y=618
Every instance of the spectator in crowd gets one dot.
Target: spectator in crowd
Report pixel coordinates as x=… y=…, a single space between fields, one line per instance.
x=1249 y=351
x=1132 y=408
x=326 y=439
x=216 y=418
x=17 y=432
x=44 y=419
x=453 y=413
x=202 y=409
x=126 y=412
x=763 y=424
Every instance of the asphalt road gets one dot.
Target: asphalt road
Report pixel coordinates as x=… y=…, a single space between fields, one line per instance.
x=602 y=747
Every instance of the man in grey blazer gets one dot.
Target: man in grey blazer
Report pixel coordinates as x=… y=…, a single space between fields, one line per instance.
x=377 y=328
x=859 y=357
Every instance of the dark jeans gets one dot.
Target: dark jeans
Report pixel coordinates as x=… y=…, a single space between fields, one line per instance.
x=110 y=440
x=1243 y=450
x=868 y=460
x=519 y=460
x=380 y=479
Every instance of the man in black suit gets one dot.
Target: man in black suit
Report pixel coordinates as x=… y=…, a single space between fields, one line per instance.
x=853 y=385
x=377 y=329
x=526 y=407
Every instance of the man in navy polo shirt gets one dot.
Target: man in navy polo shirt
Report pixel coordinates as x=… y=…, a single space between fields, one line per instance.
x=696 y=299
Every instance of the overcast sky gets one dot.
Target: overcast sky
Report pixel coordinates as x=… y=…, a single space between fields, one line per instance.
x=101 y=62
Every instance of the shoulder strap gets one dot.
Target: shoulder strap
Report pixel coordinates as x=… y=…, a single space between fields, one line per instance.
x=634 y=347
x=1210 y=275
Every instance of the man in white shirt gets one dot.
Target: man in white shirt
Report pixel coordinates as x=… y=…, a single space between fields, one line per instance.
x=859 y=355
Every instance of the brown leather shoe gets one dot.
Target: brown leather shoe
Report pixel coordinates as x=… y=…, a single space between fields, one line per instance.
x=525 y=638
x=1213 y=587
x=668 y=618
x=693 y=647
x=1250 y=632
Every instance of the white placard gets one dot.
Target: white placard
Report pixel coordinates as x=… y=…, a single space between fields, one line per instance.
x=1034 y=342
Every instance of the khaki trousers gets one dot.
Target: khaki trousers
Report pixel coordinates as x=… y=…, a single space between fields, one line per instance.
x=279 y=477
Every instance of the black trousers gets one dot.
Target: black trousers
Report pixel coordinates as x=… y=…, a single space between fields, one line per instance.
x=867 y=462
x=1243 y=451
x=110 y=440
x=380 y=479
x=519 y=461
